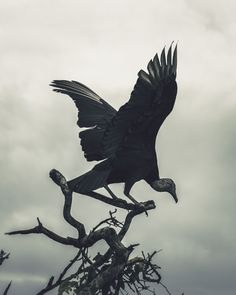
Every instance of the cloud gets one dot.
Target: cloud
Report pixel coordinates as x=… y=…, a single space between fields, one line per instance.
x=104 y=46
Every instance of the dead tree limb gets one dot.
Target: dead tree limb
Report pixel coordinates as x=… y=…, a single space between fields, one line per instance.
x=3 y=257
x=7 y=289
x=51 y=284
x=113 y=269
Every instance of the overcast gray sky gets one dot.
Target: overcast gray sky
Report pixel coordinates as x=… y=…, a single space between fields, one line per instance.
x=103 y=44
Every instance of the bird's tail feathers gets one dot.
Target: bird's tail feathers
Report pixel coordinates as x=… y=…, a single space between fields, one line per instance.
x=92 y=180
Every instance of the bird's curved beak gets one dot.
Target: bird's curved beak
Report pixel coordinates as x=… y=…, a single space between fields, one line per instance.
x=173 y=194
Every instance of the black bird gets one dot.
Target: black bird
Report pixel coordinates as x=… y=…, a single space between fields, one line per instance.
x=125 y=139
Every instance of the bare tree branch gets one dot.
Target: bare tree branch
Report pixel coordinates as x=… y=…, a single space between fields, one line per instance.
x=113 y=268
x=40 y=229
x=7 y=289
x=3 y=256
x=52 y=285
x=60 y=180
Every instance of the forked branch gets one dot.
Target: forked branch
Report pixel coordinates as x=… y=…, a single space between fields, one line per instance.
x=104 y=270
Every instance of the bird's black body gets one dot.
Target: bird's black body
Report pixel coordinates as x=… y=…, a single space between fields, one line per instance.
x=137 y=166
x=124 y=139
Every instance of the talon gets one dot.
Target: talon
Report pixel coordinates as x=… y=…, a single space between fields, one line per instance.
x=138 y=204
x=143 y=207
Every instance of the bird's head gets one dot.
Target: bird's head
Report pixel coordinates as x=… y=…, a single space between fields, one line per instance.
x=165 y=185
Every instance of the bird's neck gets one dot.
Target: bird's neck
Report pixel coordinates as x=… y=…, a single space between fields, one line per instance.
x=158 y=185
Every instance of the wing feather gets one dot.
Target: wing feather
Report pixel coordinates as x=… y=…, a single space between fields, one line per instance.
x=93 y=112
x=139 y=120
x=152 y=99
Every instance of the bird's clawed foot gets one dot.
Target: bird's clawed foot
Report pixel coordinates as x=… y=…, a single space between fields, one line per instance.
x=138 y=204
x=143 y=207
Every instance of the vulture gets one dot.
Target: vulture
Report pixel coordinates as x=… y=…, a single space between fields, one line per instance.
x=123 y=141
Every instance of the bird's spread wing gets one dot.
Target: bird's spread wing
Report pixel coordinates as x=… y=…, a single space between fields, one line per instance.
x=152 y=99
x=94 y=113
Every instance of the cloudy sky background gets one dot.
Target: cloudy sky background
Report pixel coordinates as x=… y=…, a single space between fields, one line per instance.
x=103 y=44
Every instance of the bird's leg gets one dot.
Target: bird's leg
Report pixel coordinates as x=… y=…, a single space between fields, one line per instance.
x=131 y=198
x=136 y=202
x=110 y=192
x=126 y=192
x=127 y=188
